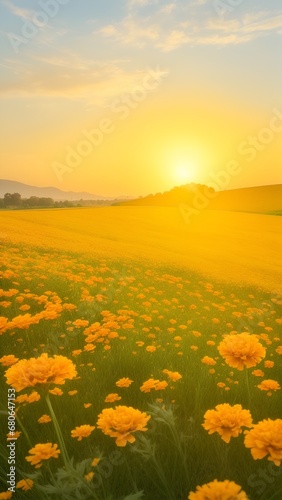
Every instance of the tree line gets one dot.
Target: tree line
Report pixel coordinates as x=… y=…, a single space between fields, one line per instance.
x=15 y=201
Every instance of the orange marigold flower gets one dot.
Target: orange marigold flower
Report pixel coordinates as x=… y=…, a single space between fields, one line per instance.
x=269 y=385
x=258 y=373
x=265 y=440
x=111 y=398
x=41 y=370
x=82 y=431
x=218 y=490
x=25 y=484
x=174 y=376
x=72 y=393
x=95 y=462
x=14 y=435
x=89 y=476
x=208 y=361
x=269 y=364
x=227 y=420
x=31 y=398
x=8 y=360
x=241 y=350
x=6 y=495
x=124 y=382
x=87 y=405
x=121 y=422
x=45 y=419
x=279 y=349
x=151 y=383
x=42 y=452
x=150 y=348
x=56 y=391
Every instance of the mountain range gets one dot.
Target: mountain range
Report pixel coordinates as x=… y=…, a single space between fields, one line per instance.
x=26 y=191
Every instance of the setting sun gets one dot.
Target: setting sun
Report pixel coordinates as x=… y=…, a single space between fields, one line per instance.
x=185 y=172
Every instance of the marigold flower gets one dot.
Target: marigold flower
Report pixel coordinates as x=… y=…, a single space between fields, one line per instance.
x=41 y=370
x=265 y=439
x=31 y=398
x=25 y=484
x=208 y=361
x=82 y=431
x=45 y=419
x=72 y=393
x=227 y=420
x=42 y=452
x=124 y=382
x=6 y=495
x=241 y=350
x=258 y=373
x=279 y=349
x=89 y=476
x=174 y=376
x=121 y=422
x=150 y=348
x=218 y=490
x=8 y=360
x=269 y=385
x=14 y=435
x=95 y=462
x=269 y=364
x=151 y=383
x=56 y=391
x=111 y=398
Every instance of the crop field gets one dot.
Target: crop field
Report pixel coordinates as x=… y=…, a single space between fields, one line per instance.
x=141 y=353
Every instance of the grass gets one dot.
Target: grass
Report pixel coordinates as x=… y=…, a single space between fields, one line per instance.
x=162 y=303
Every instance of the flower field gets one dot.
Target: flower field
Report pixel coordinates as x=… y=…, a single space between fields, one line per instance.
x=139 y=377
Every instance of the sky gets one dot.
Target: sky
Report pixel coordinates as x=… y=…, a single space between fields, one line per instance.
x=132 y=97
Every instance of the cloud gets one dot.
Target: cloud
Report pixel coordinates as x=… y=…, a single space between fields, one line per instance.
x=17 y=11
x=167 y=33
x=67 y=75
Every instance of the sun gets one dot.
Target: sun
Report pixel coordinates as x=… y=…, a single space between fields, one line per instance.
x=184 y=173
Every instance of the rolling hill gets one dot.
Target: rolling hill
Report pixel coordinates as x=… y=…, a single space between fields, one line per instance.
x=260 y=199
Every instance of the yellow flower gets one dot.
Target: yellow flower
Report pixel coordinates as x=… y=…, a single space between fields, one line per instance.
x=56 y=391
x=89 y=476
x=45 y=419
x=95 y=462
x=174 y=376
x=25 y=398
x=218 y=490
x=124 y=382
x=42 y=452
x=208 y=361
x=227 y=420
x=150 y=348
x=25 y=484
x=265 y=439
x=153 y=384
x=269 y=385
x=14 y=435
x=8 y=360
x=258 y=373
x=41 y=370
x=111 y=398
x=82 y=431
x=6 y=495
x=241 y=350
x=72 y=393
x=267 y=364
x=120 y=422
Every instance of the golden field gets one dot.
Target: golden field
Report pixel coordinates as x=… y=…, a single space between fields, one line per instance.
x=141 y=354
x=232 y=246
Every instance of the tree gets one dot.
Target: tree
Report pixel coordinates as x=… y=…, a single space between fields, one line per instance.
x=14 y=199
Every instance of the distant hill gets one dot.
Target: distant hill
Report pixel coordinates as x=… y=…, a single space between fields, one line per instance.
x=26 y=191
x=198 y=196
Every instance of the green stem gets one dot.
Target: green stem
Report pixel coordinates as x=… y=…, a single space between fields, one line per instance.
x=248 y=387
x=58 y=432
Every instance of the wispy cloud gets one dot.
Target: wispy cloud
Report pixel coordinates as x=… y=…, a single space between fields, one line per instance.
x=67 y=75
x=17 y=11
x=168 y=33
